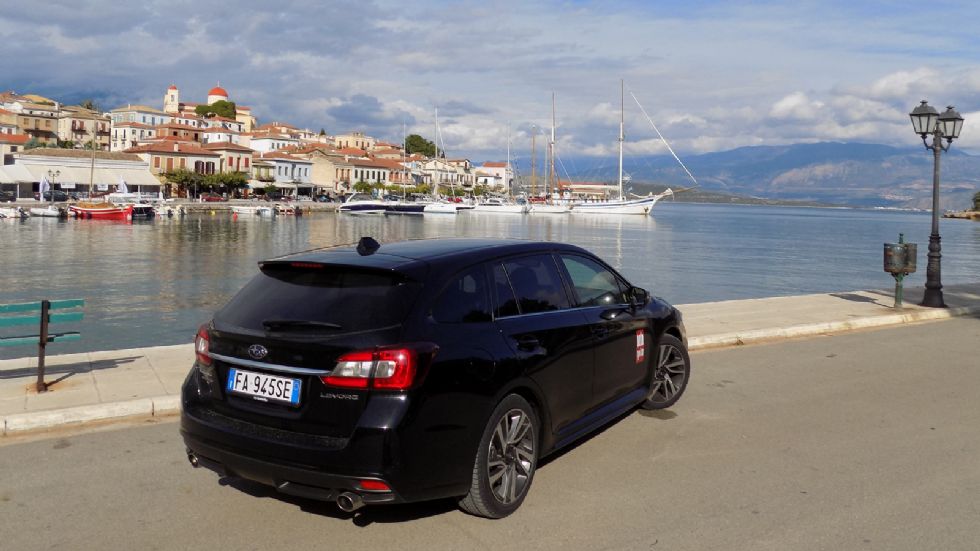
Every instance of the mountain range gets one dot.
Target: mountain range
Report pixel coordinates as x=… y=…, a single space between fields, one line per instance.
x=856 y=174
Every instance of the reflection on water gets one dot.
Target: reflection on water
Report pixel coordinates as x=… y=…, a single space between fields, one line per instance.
x=152 y=282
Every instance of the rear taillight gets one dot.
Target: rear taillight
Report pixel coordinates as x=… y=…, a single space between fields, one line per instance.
x=202 y=344
x=386 y=369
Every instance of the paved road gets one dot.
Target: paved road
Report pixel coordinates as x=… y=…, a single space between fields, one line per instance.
x=861 y=441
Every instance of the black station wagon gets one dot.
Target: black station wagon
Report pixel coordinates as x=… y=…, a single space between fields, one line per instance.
x=424 y=369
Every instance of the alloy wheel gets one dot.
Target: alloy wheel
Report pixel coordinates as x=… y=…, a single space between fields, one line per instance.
x=510 y=459
x=670 y=376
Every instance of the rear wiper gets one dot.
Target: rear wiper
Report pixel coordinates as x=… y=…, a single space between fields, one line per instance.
x=283 y=323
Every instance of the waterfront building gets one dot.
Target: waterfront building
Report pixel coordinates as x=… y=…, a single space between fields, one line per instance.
x=290 y=173
x=8 y=122
x=130 y=134
x=9 y=144
x=37 y=121
x=79 y=126
x=234 y=157
x=168 y=155
x=331 y=170
x=495 y=175
x=372 y=171
x=75 y=173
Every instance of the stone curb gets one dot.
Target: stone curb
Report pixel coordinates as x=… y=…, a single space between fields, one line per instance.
x=146 y=407
x=170 y=404
x=805 y=330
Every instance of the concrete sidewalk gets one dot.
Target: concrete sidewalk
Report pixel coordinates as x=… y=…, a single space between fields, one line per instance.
x=97 y=386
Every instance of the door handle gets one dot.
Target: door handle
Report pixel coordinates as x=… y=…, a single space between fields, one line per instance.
x=528 y=343
x=612 y=314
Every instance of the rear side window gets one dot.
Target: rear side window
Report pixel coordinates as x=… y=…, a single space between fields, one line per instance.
x=465 y=299
x=594 y=284
x=536 y=283
x=349 y=298
x=505 y=301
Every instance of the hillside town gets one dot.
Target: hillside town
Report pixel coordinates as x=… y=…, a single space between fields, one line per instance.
x=162 y=151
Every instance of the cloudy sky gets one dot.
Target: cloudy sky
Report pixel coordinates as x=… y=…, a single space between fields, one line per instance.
x=712 y=75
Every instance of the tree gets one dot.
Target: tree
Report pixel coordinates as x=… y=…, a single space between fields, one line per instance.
x=227 y=180
x=480 y=190
x=66 y=144
x=33 y=143
x=89 y=104
x=323 y=132
x=220 y=108
x=185 y=180
x=417 y=144
x=363 y=187
x=270 y=188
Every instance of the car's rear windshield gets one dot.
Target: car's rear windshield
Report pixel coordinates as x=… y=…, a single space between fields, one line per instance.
x=320 y=299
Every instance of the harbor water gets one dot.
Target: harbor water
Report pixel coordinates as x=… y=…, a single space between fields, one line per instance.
x=151 y=283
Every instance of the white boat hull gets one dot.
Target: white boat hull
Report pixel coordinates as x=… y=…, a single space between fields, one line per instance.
x=440 y=208
x=642 y=206
x=48 y=212
x=539 y=208
x=259 y=211
x=501 y=209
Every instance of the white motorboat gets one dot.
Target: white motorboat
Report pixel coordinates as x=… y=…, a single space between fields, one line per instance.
x=362 y=203
x=500 y=206
x=440 y=208
x=49 y=211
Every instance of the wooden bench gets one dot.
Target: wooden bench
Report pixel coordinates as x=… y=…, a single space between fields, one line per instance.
x=43 y=317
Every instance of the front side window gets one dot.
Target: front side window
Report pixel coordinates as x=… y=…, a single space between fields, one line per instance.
x=593 y=283
x=465 y=299
x=536 y=283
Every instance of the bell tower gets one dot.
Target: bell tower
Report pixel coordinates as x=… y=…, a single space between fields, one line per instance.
x=171 y=101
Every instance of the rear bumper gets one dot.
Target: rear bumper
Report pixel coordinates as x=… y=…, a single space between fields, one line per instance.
x=317 y=467
x=291 y=480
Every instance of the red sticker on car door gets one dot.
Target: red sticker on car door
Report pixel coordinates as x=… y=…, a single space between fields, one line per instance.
x=641 y=347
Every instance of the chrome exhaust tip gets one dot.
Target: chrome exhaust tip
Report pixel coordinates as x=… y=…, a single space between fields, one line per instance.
x=349 y=502
x=194 y=461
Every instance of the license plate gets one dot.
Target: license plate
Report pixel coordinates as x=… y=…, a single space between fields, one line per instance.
x=264 y=387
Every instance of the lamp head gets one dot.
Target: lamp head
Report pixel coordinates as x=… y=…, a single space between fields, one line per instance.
x=924 y=119
x=950 y=122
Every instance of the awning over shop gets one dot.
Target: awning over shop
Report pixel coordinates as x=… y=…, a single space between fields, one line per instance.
x=15 y=174
x=82 y=176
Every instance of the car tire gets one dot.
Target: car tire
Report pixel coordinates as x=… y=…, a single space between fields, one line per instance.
x=505 y=460
x=671 y=373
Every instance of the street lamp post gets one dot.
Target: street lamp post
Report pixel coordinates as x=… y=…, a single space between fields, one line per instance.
x=52 y=176
x=925 y=121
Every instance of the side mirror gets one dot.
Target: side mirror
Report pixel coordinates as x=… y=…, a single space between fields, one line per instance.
x=640 y=297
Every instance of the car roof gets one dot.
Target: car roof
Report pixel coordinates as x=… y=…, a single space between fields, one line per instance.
x=401 y=255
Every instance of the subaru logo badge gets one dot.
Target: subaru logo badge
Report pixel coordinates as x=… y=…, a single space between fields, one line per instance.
x=257 y=351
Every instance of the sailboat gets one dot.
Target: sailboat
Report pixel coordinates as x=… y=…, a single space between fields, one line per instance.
x=503 y=205
x=550 y=206
x=622 y=205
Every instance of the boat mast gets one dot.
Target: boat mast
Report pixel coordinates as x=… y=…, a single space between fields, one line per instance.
x=435 y=154
x=621 y=137
x=552 y=183
x=510 y=192
x=534 y=155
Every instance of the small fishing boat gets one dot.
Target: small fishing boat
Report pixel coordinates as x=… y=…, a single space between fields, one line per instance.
x=102 y=211
x=253 y=211
x=49 y=211
x=15 y=213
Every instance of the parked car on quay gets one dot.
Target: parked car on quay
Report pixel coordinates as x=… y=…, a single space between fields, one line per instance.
x=323 y=198
x=58 y=196
x=212 y=198
x=276 y=196
x=7 y=197
x=424 y=369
